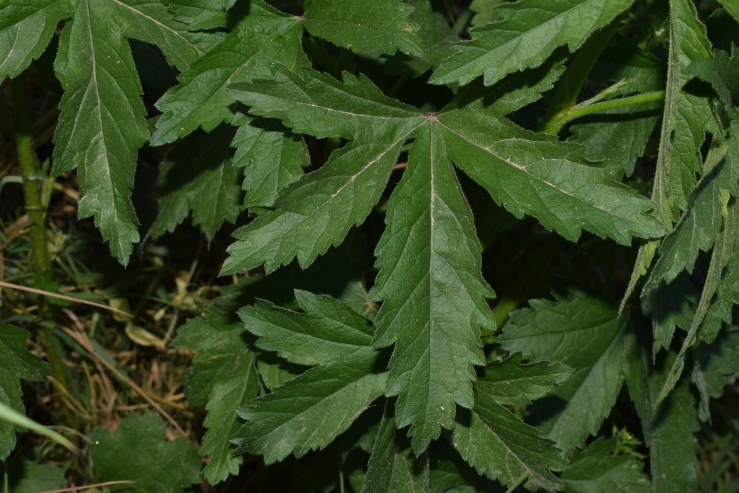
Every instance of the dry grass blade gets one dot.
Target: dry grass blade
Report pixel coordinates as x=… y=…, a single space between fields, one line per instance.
x=89 y=487
x=71 y=299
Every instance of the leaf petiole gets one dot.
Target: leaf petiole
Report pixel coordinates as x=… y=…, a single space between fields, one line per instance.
x=556 y=124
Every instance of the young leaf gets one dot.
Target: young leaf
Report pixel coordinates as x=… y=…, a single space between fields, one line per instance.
x=528 y=32
x=197 y=175
x=531 y=174
x=433 y=295
x=166 y=467
x=311 y=410
x=585 y=334
x=392 y=467
x=16 y=364
x=26 y=27
x=598 y=468
x=222 y=378
x=380 y=26
x=669 y=430
x=272 y=158
x=498 y=444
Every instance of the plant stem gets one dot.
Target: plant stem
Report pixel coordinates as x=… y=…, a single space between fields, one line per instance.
x=518 y=483
x=555 y=125
x=569 y=88
x=31 y=175
x=36 y=209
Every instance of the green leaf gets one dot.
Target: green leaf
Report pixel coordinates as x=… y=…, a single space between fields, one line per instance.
x=528 y=32
x=317 y=104
x=511 y=383
x=485 y=12
x=164 y=467
x=101 y=122
x=201 y=100
x=434 y=39
x=150 y=21
x=311 y=410
x=697 y=228
x=731 y=7
x=722 y=72
x=716 y=366
x=598 y=468
x=391 y=466
x=197 y=175
x=16 y=364
x=201 y=14
x=433 y=295
x=28 y=476
x=380 y=26
x=669 y=430
x=271 y=156
x=317 y=211
x=586 y=334
x=328 y=331
x=622 y=134
x=222 y=377
x=498 y=444
x=528 y=173
x=26 y=27
x=724 y=253
x=685 y=116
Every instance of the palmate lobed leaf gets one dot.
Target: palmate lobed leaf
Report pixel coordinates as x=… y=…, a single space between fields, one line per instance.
x=429 y=260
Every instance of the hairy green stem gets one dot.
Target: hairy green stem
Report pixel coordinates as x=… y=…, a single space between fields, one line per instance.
x=518 y=483
x=556 y=124
x=571 y=84
x=36 y=209
x=31 y=175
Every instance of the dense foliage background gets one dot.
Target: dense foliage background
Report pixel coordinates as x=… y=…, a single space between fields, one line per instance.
x=354 y=245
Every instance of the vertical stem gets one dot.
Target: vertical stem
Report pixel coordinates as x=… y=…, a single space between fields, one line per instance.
x=31 y=174
x=36 y=209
